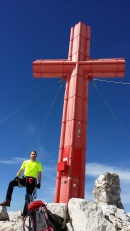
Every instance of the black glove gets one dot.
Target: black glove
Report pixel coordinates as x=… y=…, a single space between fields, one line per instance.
x=16 y=178
x=38 y=185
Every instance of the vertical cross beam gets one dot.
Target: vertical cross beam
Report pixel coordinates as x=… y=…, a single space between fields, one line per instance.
x=77 y=70
x=72 y=150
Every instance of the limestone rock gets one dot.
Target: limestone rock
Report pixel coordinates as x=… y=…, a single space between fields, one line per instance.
x=118 y=217
x=107 y=190
x=13 y=223
x=59 y=209
x=3 y=214
x=69 y=227
x=87 y=216
x=14 y=216
x=106 y=213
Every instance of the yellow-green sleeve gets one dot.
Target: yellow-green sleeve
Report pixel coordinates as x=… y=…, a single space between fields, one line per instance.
x=39 y=167
x=23 y=165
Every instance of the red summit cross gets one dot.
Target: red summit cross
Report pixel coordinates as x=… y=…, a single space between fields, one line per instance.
x=77 y=70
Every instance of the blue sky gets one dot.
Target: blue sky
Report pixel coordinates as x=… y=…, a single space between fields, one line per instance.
x=31 y=109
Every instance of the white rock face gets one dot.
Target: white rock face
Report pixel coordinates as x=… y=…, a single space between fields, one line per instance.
x=118 y=217
x=104 y=214
x=87 y=216
x=59 y=209
x=3 y=214
x=13 y=223
x=84 y=216
x=107 y=190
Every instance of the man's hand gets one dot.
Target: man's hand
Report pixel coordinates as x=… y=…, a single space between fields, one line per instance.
x=38 y=185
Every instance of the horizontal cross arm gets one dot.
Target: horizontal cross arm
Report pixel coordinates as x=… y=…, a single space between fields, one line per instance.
x=52 y=68
x=93 y=67
x=104 y=67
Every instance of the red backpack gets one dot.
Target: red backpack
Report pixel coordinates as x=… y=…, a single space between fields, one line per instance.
x=38 y=217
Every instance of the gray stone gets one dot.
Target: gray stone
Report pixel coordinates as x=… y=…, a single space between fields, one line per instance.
x=87 y=216
x=104 y=214
x=118 y=217
x=107 y=190
x=3 y=214
x=59 y=209
x=13 y=224
x=69 y=227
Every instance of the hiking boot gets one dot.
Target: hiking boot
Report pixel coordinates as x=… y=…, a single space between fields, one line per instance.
x=5 y=203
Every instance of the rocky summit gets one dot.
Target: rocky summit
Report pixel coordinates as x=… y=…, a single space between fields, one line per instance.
x=106 y=213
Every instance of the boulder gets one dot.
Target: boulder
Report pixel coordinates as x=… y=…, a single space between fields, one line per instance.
x=106 y=213
x=118 y=217
x=60 y=212
x=107 y=190
x=10 y=221
x=3 y=214
x=87 y=216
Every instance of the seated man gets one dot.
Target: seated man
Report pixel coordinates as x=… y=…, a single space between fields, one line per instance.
x=32 y=169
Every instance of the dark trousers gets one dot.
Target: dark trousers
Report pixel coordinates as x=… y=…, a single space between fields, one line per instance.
x=24 y=181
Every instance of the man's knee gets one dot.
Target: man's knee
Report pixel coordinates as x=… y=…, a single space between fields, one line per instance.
x=13 y=183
